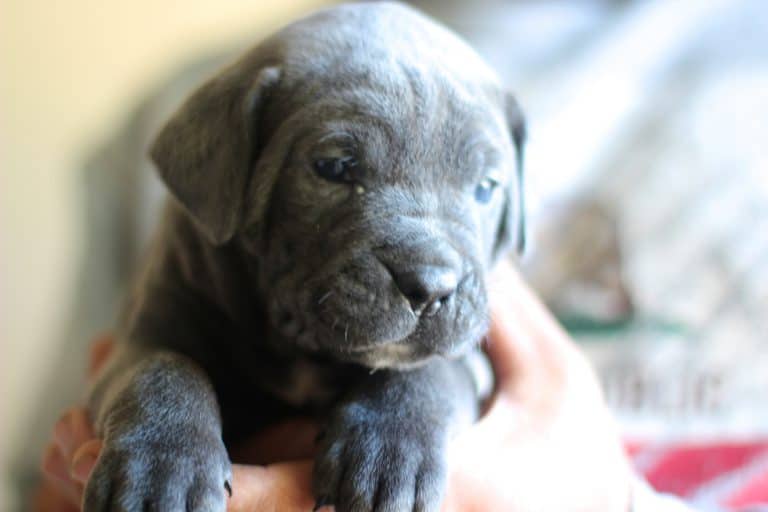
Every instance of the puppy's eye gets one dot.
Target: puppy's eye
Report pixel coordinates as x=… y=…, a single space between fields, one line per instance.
x=337 y=170
x=484 y=190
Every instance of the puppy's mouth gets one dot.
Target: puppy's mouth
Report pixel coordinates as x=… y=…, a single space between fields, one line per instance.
x=400 y=355
x=341 y=317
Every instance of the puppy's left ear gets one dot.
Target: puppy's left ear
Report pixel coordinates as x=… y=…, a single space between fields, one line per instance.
x=207 y=150
x=512 y=229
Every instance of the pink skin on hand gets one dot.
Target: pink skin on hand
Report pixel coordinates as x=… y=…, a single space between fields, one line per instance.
x=546 y=443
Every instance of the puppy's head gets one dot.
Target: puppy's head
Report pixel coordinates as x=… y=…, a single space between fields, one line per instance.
x=365 y=158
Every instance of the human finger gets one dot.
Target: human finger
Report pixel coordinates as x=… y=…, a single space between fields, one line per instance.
x=284 y=487
x=72 y=429
x=100 y=351
x=55 y=469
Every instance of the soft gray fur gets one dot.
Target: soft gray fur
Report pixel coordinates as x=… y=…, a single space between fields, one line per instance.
x=272 y=292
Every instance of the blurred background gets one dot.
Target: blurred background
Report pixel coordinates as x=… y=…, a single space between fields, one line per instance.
x=647 y=173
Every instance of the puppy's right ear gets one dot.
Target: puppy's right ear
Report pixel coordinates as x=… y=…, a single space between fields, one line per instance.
x=512 y=228
x=207 y=150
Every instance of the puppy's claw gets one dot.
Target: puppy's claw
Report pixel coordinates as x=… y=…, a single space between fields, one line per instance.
x=228 y=488
x=321 y=502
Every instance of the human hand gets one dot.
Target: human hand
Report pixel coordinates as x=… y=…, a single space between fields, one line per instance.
x=72 y=450
x=547 y=442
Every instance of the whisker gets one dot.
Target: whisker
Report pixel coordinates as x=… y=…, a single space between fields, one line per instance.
x=324 y=297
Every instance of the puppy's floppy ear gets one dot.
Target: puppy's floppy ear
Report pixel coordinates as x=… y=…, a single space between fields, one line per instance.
x=513 y=223
x=205 y=153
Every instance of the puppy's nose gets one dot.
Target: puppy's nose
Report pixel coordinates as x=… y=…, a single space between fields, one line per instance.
x=426 y=287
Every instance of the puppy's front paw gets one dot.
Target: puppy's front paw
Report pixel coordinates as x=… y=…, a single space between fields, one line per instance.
x=139 y=471
x=373 y=461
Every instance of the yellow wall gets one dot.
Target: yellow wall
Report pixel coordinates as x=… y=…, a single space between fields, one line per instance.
x=68 y=71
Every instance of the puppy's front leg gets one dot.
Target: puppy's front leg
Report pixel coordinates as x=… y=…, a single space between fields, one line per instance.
x=384 y=446
x=157 y=414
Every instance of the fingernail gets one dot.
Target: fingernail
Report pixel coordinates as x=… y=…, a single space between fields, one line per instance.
x=81 y=467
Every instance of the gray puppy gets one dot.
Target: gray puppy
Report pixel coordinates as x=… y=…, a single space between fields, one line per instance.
x=338 y=195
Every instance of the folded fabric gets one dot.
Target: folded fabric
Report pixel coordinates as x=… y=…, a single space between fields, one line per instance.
x=711 y=476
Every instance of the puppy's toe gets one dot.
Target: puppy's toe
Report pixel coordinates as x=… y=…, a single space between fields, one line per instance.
x=430 y=486
x=207 y=497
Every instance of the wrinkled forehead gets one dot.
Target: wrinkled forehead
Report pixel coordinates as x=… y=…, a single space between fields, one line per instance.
x=402 y=111
x=399 y=88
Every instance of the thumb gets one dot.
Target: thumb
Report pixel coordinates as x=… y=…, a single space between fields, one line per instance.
x=527 y=347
